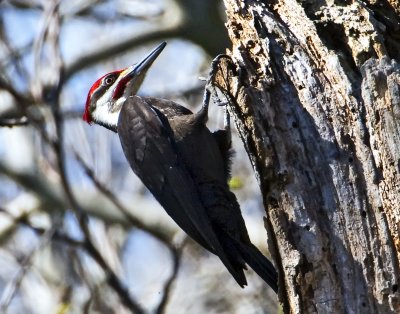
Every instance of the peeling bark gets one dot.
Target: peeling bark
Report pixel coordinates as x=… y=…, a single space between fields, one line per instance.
x=315 y=93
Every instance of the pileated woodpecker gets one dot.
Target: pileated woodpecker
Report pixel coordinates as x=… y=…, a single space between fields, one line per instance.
x=183 y=164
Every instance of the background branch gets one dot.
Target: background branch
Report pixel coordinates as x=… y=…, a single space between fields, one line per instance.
x=46 y=74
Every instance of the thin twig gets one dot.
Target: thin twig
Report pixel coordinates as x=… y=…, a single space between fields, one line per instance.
x=13 y=286
x=9 y=123
x=14 y=55
x=176 y=262
x=132 y=219
x=21 y=100
x=87 y=246
x=175 y=252
x=57 y=235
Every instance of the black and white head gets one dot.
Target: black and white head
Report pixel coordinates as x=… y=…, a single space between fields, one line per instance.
x=108 y=93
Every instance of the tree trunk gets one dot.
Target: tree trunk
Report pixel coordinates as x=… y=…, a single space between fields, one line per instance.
x=314 y=90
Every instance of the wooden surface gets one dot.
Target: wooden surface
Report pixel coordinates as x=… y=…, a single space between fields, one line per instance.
x=315 y=93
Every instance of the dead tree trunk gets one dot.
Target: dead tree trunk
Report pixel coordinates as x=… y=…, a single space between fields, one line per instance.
x=315 y=93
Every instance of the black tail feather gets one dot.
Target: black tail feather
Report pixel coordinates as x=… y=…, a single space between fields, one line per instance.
x=260 y=264
x=237 y=262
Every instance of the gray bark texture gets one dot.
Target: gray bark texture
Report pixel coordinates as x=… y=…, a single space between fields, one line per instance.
x=314 y=88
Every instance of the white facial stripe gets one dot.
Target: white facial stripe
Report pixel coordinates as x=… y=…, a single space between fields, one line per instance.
x=103 y=115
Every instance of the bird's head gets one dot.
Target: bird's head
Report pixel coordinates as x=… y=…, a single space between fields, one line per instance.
x=108 y=93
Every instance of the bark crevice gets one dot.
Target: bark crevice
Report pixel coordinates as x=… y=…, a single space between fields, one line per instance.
x=318 y=114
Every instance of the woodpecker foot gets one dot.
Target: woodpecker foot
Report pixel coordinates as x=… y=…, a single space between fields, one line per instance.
x=214 y=67
x=211 y=91
x=210 y=88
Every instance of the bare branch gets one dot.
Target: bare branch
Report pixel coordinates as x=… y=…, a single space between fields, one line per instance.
x=155 y=232
x=22 y=101
x=176 y=260
x=52 y=197
x=9 y=123
x=13 y=286
x=87 y=246
x=114 y=49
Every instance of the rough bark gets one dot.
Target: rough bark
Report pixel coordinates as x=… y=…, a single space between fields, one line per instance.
x=314 y=90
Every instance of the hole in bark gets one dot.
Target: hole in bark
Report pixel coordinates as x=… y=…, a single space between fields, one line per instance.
x=366 y=140
x=251 y=44
x=354 y=32
x=259 y=25
x=323 y=249
x=307 y=228
x=273 y=202
x=378 y=175
x=334 y=37
x=380 y=208
x=237 y=28
x=394 y=288
x=364 y=56
x=295 y=125
x=308 y=177
x=334 y=269
x=377 y=117
x=385 y=13
x=351 y=159
x=364 y=213
x=363 y=304
x=342 y=2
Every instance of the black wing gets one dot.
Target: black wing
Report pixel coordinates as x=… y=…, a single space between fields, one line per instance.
x=149 y=146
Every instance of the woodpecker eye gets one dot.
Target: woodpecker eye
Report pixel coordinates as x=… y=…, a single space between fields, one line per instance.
x=109 y=80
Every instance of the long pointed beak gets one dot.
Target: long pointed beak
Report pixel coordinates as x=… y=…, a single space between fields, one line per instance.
x=131 y=78
x=134 y=75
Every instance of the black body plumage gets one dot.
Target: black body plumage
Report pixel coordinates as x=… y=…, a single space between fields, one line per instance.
x=186 y=167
